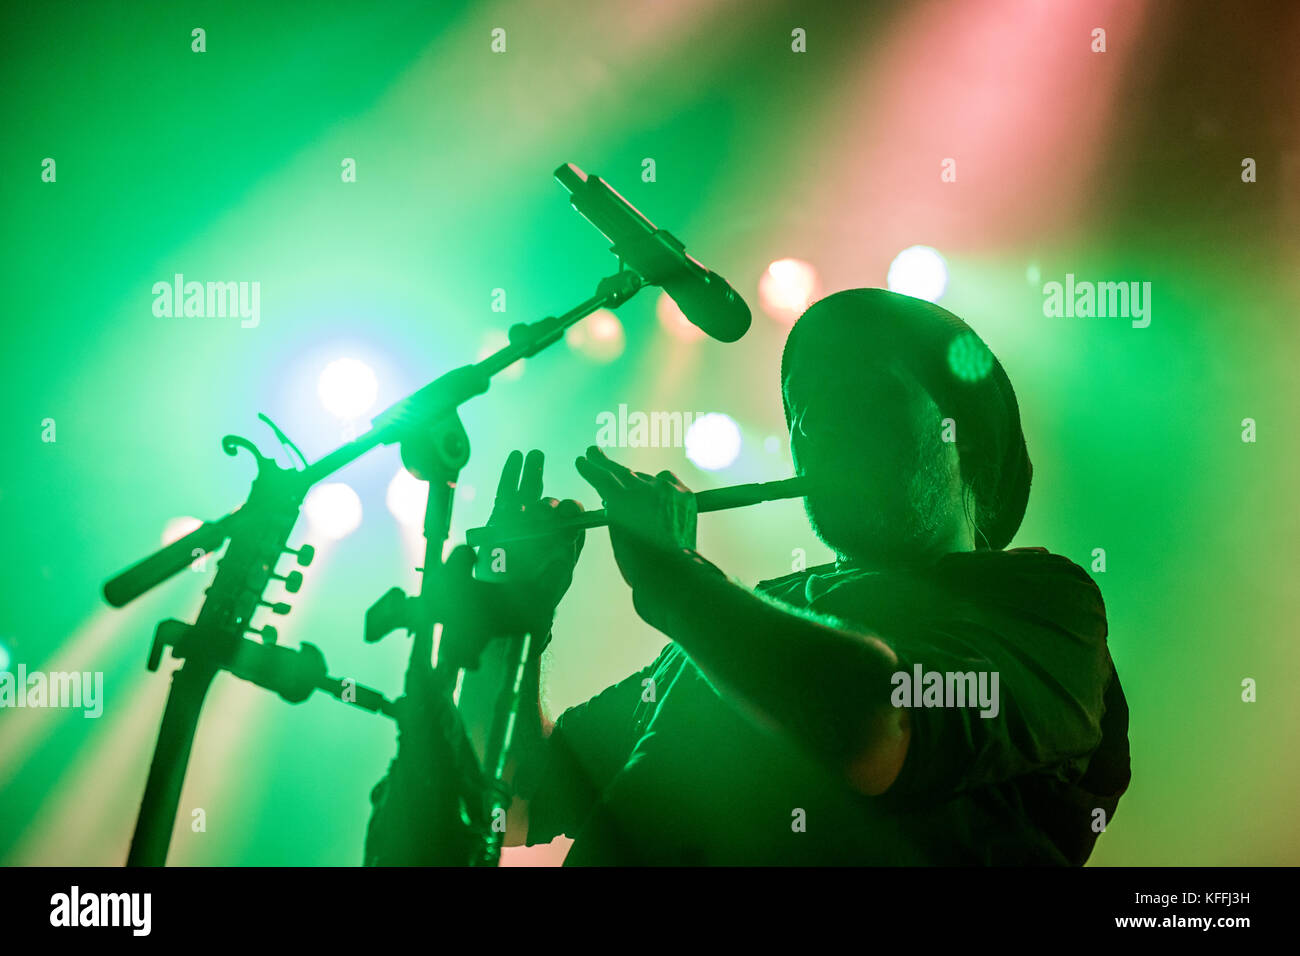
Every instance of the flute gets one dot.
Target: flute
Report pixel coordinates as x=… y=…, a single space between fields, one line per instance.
x=716 y=499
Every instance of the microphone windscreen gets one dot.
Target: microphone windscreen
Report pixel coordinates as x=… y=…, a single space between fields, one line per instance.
x=711 y=305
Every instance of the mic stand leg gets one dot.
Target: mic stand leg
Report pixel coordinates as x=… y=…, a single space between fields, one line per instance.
x=171 y=757
x=438 y=452
x=435 y=452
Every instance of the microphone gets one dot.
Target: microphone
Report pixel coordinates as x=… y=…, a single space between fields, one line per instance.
x=704 y=297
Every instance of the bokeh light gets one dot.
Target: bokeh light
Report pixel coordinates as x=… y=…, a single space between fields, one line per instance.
x=919 y=271
x=599 y=337
x=787 y=287
x=347 y=388
x=713 y=441
x=333 y=510
x=407 y=498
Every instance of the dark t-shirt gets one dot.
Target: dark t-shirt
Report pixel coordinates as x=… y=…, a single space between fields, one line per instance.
x=669 y=773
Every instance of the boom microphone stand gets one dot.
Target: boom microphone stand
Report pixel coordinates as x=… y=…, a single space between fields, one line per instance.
x=434 y=444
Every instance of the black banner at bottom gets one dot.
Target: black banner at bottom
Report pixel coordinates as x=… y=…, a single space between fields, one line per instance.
x=378 y=906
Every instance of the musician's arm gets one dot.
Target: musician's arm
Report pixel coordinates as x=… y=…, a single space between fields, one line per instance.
x=566 y=767
x=825 y=686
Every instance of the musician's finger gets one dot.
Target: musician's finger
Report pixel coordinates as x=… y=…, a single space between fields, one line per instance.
x=542 y=509
x=671 y=479
x=508 y=485
x=599 y=478
x=568 y=508
x=530 y=483
x=596 y=460
x=601 y=460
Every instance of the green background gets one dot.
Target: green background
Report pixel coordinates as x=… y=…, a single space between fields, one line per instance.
x=225 y=165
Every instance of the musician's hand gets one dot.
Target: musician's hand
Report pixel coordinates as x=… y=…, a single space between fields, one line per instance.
x=649 y=515
x=535 y=572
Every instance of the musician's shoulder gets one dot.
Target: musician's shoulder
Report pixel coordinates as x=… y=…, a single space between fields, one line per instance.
x=1031 y=560
x=795 y=579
